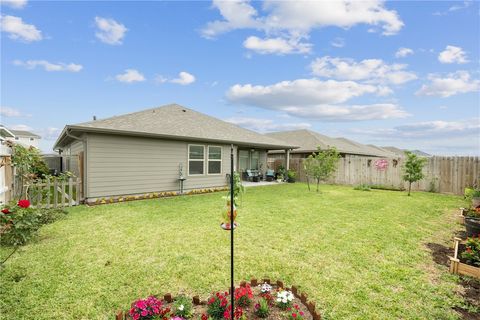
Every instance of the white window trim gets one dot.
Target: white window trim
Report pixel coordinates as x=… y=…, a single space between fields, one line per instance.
x=218 y=160
x=188 y=161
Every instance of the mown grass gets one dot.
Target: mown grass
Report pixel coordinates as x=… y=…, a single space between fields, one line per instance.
x=360 y=255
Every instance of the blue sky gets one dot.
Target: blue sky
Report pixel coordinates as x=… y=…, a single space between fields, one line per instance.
x=387 y=73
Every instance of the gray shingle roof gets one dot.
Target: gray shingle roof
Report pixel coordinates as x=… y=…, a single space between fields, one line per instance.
x=23 y=133
x=309 y=141
x=176 y=122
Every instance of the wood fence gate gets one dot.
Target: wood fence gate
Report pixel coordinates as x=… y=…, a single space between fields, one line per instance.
x=54 y=193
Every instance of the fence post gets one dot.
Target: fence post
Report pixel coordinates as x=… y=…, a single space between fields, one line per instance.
x=49 y=190
x=70 y=193
x=39 y=195
x=62 y=195
x=77 y=191
x=55 y=193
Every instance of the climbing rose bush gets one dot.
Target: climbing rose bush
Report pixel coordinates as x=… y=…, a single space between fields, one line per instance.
x=23 y=203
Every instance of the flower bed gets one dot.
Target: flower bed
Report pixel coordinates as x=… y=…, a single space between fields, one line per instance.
x=253 y=300
x=461 y=263
x=153 y=195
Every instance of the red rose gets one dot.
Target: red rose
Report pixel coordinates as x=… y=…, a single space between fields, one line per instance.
x=23 y=203
x=6 y=211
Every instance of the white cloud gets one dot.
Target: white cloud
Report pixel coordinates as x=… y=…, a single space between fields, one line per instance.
x=22 y=127
x=438 y=129
x=315 y=99
x=453 y=54
x=294 y=20
x=454 y=8
x=371 y=70
x=110 y=31
x=403 y=52
x=276 y=45
x=9 y=112
x=300 y=91
x=266 y=125
x=184 y=78
x=338 y=113
x=452 y=84
x=130 y=76
x=19 y=30
x=48 y=66
x=15 y=4
x=301 y=17
x=338 y=43
x=50 y=133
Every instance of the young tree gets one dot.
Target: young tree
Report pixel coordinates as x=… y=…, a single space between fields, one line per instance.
x=321 y=165
x=412 y=169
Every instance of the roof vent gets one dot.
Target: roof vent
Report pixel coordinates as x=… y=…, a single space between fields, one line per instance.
x=94 y=118
x=184 y=110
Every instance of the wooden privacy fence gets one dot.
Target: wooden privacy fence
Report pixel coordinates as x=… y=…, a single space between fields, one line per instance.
x=54 y=193
x=442 y=174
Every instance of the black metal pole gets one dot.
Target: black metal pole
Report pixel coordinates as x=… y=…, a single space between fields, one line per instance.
x=232 y=285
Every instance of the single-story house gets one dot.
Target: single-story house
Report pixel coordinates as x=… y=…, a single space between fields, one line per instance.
x=309 y=141
x=150 y=150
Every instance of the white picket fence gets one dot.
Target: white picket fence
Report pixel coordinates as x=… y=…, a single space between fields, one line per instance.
x=54 y=193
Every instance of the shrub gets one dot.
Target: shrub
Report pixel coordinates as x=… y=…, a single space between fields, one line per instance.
x=362 y=187
x=243 y=296
x=291 y=174
x=262 y=310
x=217 y=304
x=472 y=251
x=183 y=307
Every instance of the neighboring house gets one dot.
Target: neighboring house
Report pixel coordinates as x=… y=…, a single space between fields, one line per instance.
x=144 y=152
x=309 y=141
x=6 y=170
x=25 y=138
x=401 y=152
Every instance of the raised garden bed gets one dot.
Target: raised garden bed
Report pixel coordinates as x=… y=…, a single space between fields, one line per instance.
x=301 y=307
x=458 y=265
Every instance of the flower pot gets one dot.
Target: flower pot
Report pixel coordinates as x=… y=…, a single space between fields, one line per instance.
x=473 y=226
x=291 y=180
x=475 y=202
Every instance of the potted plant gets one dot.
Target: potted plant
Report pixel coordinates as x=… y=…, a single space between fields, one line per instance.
x=472 y=222
x=291 y=174
x=279 y=177
x=476 y=198
x=281 y=172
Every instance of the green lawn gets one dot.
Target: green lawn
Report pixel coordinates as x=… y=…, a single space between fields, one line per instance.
x=359 y=255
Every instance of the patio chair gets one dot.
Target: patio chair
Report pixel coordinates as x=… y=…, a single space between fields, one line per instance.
x=270 y=175
x=251 y=176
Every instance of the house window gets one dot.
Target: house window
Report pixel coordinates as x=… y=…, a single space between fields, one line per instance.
x=196 y=159
x=214 y=160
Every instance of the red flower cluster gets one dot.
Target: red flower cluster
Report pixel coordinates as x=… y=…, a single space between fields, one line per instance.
x=238 y=313
x=296 y=313
x=217 y=304
x=23 y=203
x=5 y=211
x=243 y=295
x=147 y=308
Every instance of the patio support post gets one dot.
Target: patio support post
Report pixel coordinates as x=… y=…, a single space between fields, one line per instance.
x=287 y=159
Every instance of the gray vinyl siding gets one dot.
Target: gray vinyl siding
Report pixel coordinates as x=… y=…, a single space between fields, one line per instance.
x=123 y=165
